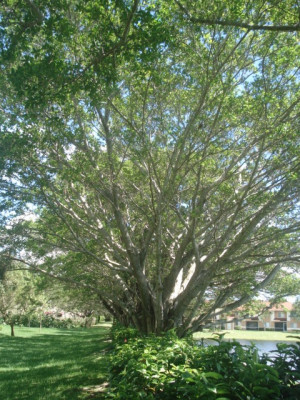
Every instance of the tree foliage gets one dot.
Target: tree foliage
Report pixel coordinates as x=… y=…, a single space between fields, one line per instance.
x=158 y=154
x=16 y=297
x=296 y=310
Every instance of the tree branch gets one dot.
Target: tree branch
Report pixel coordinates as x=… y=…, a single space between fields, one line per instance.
x=237 y=24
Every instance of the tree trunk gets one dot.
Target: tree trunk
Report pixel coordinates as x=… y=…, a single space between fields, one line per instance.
x=12 y=330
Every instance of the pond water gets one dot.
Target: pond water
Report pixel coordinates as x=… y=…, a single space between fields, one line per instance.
x=264 y=346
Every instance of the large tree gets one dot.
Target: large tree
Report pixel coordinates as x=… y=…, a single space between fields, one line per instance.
x=152 y=151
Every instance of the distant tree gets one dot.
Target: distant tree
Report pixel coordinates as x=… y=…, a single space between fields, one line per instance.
x=75 y=300
x=19 y=296
x=296 y=309
x=11 y=299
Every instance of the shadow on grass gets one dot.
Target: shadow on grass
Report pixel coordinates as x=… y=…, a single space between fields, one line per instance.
x=52 y=366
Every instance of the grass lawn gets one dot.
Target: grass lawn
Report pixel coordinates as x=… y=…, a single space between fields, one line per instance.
x=54 y=364
x=251 y=335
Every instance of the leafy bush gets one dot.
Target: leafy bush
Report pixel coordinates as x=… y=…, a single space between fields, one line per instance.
x=47 y=321
x=286 y=361
x=120 y=334
x=169 y=368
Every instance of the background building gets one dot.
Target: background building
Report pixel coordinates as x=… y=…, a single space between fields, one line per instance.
x=276 y=318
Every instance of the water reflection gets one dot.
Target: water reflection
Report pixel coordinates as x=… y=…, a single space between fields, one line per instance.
x=263 y=346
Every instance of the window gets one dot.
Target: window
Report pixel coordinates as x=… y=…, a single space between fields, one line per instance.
x=281 y=314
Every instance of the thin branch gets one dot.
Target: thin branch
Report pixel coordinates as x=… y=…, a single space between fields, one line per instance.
x=237 y=24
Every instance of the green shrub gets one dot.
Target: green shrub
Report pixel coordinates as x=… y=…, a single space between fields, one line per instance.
x=47 y=321
x=286 y=361
x=169 y=368
x=120 y=334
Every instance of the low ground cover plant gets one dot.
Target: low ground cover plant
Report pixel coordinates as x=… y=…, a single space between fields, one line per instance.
x=169 y=368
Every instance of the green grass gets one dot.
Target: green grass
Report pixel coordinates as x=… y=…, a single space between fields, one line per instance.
x=52 y=364
x=250 y=335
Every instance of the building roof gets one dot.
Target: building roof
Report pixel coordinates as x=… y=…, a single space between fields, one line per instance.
x=286 y=305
